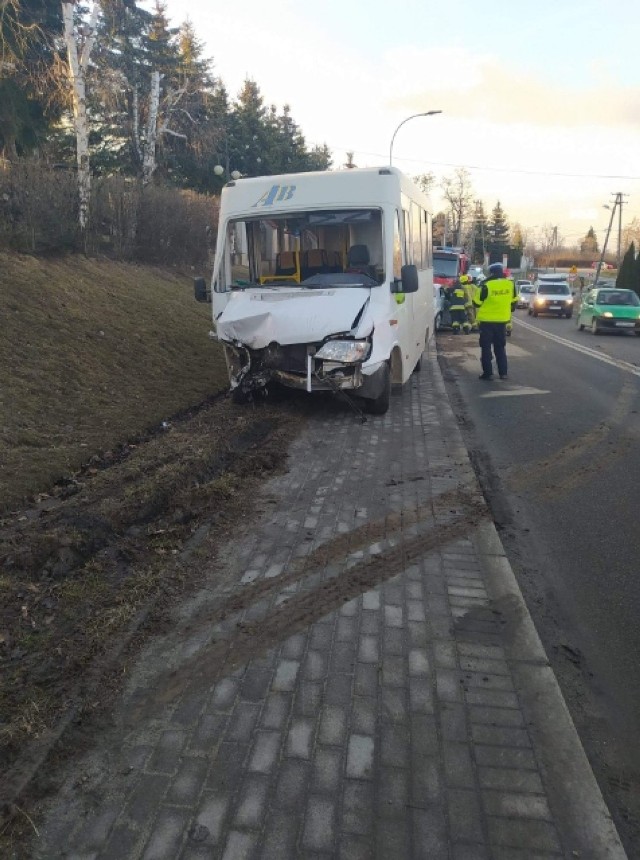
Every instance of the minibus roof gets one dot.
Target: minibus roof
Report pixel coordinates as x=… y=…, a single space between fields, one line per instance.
x=366 y=186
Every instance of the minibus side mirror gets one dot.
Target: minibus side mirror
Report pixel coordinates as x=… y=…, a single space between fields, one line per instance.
x=200 y=290
x=409 y=276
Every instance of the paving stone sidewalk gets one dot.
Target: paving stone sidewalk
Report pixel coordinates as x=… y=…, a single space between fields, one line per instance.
x=375 y=688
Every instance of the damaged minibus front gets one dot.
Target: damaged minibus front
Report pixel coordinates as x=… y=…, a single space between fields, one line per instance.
x=323 y=282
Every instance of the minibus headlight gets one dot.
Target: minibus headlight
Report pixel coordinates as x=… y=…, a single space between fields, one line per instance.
x=344 y=351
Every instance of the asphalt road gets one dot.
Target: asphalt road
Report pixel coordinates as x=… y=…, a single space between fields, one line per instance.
x=557 y=448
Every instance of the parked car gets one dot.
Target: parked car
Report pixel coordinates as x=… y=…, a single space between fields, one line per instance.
x=610 y=310
x=552 y=296
x=441 y=308
x=526 y=291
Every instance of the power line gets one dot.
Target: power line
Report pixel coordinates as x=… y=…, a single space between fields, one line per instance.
x=493 y=169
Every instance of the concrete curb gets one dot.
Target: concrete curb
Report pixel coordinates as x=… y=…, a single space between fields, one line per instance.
x=572 y=788
x=569 y=780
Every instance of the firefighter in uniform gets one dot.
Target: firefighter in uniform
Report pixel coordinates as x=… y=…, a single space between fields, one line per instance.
x=467 y=283
x=457 y=296
x=495 y=299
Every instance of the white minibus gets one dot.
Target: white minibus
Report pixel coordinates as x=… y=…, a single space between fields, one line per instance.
x=323 y=282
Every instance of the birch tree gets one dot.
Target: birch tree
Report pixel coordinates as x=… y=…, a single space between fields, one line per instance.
x=79 y=42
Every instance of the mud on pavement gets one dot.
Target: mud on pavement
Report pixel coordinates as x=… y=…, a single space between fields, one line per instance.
x=95 y=570
x=88 y=571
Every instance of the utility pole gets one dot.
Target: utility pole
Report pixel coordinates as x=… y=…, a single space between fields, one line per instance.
x=619 y=202
x=555 y=247
x=617 y=205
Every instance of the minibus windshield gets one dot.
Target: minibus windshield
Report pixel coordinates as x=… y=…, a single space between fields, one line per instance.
x=315 y=248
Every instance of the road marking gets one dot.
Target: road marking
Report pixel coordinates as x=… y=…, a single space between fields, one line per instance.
x=585 y=350
x=515 y=392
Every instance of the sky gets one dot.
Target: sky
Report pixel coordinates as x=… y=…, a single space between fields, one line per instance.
x=540 y=101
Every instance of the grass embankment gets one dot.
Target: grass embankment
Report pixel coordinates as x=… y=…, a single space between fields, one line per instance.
x=92 y=354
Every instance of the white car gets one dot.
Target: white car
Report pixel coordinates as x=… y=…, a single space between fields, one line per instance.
x=526 y=291
x=552 y=296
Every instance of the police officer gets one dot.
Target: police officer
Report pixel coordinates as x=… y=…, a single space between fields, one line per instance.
x=457 y=307
x=495 y=299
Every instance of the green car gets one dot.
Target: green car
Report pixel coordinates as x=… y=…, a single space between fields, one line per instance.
x=610 y=310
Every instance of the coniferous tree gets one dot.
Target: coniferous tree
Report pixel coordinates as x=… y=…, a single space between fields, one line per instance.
x=479 y=234
x=517 y=239
x=516 y=249
x=249 y=141
x=625 y=276
x=290 y=148
x=589 y=244
x=142 y=68
x=160 y=46
x=635 y=277
x=199 y=113
x=498 y=233
x=119 y=88
x=319 y=157
x=30 y=97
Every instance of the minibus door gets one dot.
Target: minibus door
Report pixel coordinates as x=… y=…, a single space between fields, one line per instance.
x=224 y=272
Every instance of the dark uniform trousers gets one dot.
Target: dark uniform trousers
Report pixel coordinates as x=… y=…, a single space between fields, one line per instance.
x=493 y=335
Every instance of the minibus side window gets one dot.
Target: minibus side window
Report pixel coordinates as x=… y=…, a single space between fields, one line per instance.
x=415 y=236
x=397 y=248
x=407 y=236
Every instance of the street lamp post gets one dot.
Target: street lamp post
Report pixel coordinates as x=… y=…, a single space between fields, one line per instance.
x=413 y=116
x=219 y=171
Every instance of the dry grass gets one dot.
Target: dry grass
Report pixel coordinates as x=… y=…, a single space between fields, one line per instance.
x=92 y=354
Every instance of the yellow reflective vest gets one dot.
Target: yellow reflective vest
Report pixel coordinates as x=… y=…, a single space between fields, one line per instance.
x=494 y=300
x=457 y=299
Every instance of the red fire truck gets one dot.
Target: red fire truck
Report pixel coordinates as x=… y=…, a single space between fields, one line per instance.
x=448 y=265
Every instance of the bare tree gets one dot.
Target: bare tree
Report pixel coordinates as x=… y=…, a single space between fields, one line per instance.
x=79 y=41
x=631 y=233
x=458 y=192
x=425 y=181
x=549 y=239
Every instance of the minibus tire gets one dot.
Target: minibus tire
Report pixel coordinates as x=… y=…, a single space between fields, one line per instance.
x=240 y=396
x=380 y=404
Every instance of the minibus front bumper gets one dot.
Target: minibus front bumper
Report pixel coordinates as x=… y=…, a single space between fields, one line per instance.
x=297 y=367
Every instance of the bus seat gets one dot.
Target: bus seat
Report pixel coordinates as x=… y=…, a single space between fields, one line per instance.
x=286 y=263
x=336 y=262
x=314 y=262
x=358 y=261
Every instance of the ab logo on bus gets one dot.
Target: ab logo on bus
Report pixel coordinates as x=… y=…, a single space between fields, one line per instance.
x=276 y=194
